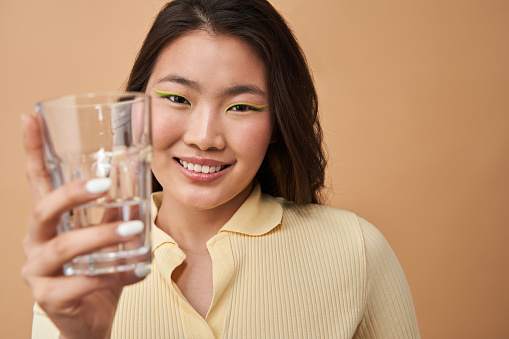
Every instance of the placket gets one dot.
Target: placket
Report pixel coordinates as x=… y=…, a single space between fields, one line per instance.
x=169 y=256
x=221 y=254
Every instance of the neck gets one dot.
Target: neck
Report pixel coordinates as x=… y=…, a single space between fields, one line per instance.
x=191 y=228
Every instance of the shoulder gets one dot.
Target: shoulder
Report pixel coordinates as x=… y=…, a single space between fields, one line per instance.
x=318 y=214
x=317 y=218
x=325 y=228
x=378 y=253
x=334 y=221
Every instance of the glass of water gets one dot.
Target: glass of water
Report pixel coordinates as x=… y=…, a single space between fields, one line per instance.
x=102 y=135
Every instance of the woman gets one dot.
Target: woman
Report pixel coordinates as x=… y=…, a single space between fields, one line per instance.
x=240 y=247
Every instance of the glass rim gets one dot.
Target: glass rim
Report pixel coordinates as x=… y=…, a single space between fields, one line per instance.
x=58 y=101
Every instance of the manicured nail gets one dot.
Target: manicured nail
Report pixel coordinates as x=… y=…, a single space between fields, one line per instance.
x=129 y=228
x=95 y=186
x=142 y=271
x=24 y=118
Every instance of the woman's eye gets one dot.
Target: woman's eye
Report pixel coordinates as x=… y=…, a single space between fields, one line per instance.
x=245 y=107
x=240 y=108
x=177 y=99
x=173 y=97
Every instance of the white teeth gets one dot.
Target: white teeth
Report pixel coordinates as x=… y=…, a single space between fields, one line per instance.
x=199 y=168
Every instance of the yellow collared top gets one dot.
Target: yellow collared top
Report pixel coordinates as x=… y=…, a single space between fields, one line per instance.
x=280 y=270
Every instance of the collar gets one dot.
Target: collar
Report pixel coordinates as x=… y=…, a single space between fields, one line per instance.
x=159 y=237
x=258 y=215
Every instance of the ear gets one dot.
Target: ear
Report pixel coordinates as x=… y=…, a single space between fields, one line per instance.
x=275 y=135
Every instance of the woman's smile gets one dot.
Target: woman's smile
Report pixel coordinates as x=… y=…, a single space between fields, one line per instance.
x=196 y=167
x=202 y=170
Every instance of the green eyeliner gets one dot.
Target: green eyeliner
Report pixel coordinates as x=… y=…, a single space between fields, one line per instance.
x=254 y=107
x=164 y=94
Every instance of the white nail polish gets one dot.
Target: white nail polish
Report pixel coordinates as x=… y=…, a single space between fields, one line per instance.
x=95 y=186
x=130 y=228
x=142 y=271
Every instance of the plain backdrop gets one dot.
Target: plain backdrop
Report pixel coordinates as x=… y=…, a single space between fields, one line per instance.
x=415 y=107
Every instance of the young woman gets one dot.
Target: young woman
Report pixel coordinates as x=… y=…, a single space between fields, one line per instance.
x=241 y=247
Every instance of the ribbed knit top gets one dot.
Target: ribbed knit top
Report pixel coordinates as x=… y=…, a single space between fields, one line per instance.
x=280 y=270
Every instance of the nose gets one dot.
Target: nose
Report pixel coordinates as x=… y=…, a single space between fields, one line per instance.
x=204 y=130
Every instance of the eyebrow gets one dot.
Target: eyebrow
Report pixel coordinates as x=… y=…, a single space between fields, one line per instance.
x=180 y=80
x=231 y=91
x=242 y=89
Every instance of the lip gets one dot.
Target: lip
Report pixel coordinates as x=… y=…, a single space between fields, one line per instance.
x=202 y=177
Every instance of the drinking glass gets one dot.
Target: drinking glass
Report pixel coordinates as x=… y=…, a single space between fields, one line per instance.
x=102 y=135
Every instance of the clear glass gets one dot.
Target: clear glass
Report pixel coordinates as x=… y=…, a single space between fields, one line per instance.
x=102 y=135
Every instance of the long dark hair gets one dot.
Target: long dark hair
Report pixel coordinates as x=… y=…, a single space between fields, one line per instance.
x=294 y=166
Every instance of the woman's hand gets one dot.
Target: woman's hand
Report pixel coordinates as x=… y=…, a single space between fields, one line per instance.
x=80 y=306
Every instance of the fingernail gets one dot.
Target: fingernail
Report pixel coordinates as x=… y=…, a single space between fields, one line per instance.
x=24 y=118
x=130 y=228
x=142 y=271
x=95 y=186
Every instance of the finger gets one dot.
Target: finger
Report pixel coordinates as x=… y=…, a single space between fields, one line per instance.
x=61 y=292
x=65 y=247
x=47 y=211
x=38 y=177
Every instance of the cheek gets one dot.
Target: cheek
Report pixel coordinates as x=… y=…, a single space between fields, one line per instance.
x=164 y=130
x=164 y=135
x=253 y=138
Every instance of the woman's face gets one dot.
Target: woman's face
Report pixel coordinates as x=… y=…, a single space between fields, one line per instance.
x=211 y=120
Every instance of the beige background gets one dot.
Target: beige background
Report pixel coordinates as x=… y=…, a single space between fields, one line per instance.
x=415 y=105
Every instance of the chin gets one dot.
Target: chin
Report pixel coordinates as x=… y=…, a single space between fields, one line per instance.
x=201 y=200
